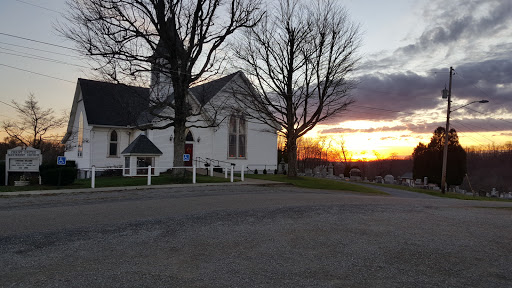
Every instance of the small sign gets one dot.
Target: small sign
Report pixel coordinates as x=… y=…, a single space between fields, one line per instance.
x=186 y=157
x=61 y=160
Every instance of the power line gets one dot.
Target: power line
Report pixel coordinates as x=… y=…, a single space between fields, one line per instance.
x=37 y=41
x=41 y=7
x=460 y=123
x=32 y=56
x=42 y=50
x=40 y=74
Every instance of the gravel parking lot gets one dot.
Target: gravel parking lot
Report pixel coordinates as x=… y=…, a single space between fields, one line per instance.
x=253 y=236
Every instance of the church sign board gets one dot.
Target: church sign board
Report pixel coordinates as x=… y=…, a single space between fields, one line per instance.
x=21 y=159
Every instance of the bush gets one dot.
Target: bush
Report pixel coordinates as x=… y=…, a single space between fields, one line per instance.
x=112 y=172
x=275 y=171
x=284 y=172
x=50 y=174
x=2 y=172
x=265 y=171
x=255 y=171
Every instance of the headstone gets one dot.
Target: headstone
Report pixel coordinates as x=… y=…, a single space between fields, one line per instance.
x=330 y=170
x=425 y=181
x=389 y=179
x=323 y=172
x=316 y=172
x=309 y=172
x=494 y=193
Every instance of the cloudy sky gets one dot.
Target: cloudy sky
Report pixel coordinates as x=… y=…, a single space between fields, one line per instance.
x=407 y=51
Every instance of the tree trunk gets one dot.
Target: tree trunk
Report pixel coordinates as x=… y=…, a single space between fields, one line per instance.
x=180 y=121
x=291 y=143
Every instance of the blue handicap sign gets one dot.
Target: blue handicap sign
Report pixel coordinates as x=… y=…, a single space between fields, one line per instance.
x=61 y=160
x=186 y=157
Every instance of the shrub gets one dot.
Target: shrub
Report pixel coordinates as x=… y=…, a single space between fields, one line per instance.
x=255 y=171
x=112 y=172
x=275 y=171
x=284 y=172
x=265 y=171
x=2 y=172
x=50 y=174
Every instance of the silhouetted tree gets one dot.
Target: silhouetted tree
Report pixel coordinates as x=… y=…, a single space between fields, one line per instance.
x=428 y=159
x=33 y=123
x=300 y=57
x=176 y=39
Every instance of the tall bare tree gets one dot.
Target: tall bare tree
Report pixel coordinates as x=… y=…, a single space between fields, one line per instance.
x=300 y=57
x=33 y=123
x=177 y=40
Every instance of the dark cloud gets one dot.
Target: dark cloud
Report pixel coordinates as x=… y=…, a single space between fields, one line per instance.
x=462 y=24
x=460 y=124
x=483 y=70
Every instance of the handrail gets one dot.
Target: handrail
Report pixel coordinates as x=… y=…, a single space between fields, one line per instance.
x=218 y=162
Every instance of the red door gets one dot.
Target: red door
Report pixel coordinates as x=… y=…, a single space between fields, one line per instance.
x=189 y=149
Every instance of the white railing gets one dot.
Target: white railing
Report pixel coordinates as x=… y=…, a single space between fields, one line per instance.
x=94 y=169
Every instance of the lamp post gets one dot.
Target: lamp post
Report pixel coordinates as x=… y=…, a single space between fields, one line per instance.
x=448 y=94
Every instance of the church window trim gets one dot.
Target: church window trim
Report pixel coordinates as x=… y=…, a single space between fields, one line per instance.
x=237 y=137
x=113 y=144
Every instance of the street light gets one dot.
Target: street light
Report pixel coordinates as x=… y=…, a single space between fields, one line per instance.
x=448 y=94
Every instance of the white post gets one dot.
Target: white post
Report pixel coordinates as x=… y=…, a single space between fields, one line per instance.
x=242 y=173
x=93 y=177
x=194 y=174
x=226 y=172
x=211 y=170
x=149 y=175
x=231 y=173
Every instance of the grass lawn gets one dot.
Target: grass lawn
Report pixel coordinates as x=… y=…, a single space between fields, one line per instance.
x=119 y=181
x=439 y=194
x=316 y=183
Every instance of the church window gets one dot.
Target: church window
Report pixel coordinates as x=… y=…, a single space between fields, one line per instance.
x=237 y=142
x=80 y=135
x=112 y=149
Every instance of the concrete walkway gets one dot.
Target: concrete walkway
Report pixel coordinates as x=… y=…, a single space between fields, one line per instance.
x=247 y=181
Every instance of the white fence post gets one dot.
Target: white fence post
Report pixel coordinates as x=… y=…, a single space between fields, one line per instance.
x=231 y=173
x=149 y=175
x=242 y=173
x=93 y=176
x=194 y=174
x=226 y=172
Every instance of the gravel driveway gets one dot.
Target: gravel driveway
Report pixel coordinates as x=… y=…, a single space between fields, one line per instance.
x=253 y=236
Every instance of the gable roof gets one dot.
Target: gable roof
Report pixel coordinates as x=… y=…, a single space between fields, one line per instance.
x=205 y=92
x=142 y=145
x=112 y=104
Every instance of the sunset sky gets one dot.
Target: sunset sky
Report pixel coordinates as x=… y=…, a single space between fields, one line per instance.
x=408 y=47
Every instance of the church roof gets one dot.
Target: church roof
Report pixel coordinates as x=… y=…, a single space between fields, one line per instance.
x=113 y=104
x=205 y=92
x=142 y=145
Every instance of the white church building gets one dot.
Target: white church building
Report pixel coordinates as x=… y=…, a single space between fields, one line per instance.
x=106 y=120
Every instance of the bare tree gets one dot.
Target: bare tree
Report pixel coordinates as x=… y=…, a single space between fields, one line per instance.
x=33 y=124
x=176 y=40
x=300 y=57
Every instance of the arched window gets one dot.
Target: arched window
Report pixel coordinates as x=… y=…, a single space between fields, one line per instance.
x=112 y=149
x=80 y=134
x=189 y=137
x=237 y=137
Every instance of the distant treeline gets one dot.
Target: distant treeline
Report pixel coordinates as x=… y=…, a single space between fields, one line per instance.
x=489 y=167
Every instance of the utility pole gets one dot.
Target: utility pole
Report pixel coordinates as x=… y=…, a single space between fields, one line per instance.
x=445 y=151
